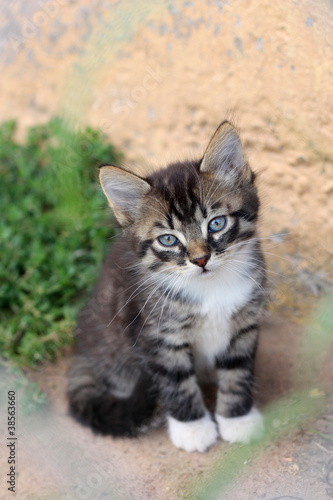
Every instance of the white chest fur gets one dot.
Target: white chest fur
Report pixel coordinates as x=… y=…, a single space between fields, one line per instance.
x=211 y=339
x=218 y=299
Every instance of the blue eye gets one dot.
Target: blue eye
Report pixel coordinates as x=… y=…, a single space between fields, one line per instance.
x=217 y=224
x=168 y=240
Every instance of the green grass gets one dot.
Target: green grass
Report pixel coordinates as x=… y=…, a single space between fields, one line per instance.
x=53 y=235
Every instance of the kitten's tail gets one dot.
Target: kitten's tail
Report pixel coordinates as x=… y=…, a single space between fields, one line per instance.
x=92 y=403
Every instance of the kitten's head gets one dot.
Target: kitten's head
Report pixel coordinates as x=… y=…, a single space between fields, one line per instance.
x=191 y=217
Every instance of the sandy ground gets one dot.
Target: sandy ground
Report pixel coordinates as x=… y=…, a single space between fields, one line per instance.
x=60 y=459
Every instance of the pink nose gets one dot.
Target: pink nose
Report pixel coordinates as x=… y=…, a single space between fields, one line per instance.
x=201 y=261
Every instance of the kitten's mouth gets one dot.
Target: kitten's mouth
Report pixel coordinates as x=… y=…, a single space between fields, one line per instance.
x=205 y=273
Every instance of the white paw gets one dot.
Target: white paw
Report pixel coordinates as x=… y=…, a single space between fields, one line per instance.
x=243 y=429
x=197 y=435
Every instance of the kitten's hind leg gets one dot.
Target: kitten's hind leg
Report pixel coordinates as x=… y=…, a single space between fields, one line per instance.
x=117 y=406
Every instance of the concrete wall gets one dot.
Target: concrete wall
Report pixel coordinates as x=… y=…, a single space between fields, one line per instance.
x=158 y=77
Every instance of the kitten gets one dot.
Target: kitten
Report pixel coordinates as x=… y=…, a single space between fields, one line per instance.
x=179 y=299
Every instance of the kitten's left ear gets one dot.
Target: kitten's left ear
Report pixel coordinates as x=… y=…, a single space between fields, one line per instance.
x=124 y=192
x=224 y=155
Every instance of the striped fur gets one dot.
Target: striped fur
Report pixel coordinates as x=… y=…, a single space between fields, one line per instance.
x=163 y=318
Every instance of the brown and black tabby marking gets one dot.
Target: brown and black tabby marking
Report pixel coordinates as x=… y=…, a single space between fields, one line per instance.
x=179 y=300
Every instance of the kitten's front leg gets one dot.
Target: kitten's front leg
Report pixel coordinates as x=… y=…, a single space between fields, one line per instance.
x=194 y=435
x=190 y=425
x=237 y=418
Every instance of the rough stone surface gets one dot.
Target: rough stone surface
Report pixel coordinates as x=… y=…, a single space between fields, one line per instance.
x=158 y=77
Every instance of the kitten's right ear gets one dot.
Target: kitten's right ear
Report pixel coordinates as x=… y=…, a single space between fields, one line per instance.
x=124 y=192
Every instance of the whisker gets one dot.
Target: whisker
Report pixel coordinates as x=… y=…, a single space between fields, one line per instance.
x=260 y=270
x=134 y=294
x=165 y=300
x=162 y=310
x=248 y=275
x=174 y=294
x=146 y=302
x=255 y=265
x=148 y=314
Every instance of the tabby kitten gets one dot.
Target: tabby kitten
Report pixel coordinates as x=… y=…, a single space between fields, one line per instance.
x=178 y=302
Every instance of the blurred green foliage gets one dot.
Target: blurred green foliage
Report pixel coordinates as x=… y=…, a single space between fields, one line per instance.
x=54 y=232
